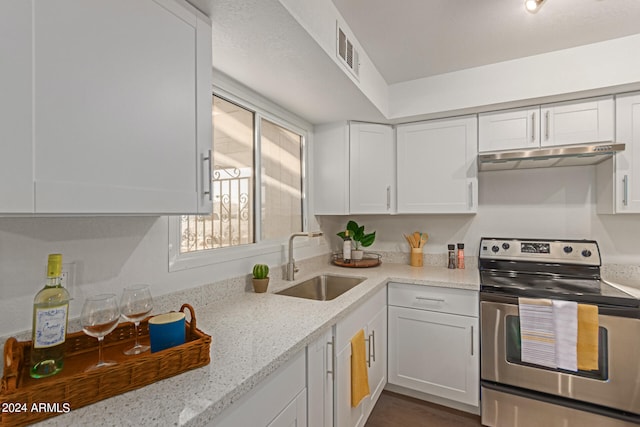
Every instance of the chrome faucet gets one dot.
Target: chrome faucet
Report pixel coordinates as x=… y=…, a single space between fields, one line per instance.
x=291 y=265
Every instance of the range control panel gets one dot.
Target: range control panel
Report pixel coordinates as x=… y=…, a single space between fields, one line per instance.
x=584 y=252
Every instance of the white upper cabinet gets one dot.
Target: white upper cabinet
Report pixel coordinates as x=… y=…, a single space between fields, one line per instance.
x=628 y=161
x=565 y=123
x=509 y=130
x=121 y=108
x=437 y=166
x=619 y=181
x=331 y=169
x=371 y=175
x=576 y=122
x=16 y=150
x=353 y=168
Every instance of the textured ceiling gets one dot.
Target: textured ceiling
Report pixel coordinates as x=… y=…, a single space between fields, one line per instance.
x=410 y=39
x=261 y=45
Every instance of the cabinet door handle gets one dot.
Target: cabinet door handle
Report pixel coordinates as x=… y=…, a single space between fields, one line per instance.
x=533 y=126
x=471 y=195
x=472 y=340
x=431 y=299
x=625 y=190
x=209 y=160
x=332 y=343
x=546 y=126
x=388 y=197
x=373 y=338
x=368 y=341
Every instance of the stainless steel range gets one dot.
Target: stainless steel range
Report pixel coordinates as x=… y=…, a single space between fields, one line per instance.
x=535 y=298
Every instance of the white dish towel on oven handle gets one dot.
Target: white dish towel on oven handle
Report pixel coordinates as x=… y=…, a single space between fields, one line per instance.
x=565 y=320
x=537 y=332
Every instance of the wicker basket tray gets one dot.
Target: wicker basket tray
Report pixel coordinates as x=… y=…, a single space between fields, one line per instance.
x=73 y=388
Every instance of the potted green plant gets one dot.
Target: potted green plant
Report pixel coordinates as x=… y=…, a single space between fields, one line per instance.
x=260 y=278
x=359 y=237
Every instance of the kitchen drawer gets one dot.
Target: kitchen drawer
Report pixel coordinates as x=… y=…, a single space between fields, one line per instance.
x=434 y=298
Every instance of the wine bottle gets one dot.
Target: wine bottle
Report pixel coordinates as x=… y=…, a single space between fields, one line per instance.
x=50 y=316
x=346 y=248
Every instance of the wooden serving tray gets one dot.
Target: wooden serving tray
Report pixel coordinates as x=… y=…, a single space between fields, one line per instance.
x=73 y=387
x=369 y=259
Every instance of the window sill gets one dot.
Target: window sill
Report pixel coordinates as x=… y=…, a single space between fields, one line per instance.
x=178 y=262
x=185 y=261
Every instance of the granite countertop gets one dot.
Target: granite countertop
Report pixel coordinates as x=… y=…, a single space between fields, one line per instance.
x=252 y=336
x=624 y=277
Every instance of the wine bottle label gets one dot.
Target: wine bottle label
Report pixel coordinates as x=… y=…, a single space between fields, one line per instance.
x=346 y=250
x=50 y=326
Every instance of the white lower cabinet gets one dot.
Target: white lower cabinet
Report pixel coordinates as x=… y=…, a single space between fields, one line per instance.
x=429 y=335
x=280 y=400
x=293 y=415
x=372 y=318
x=320 y=369
x=433 y=341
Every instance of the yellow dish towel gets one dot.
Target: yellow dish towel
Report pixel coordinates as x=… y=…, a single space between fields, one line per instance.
x=587 y=337
x=359 y=375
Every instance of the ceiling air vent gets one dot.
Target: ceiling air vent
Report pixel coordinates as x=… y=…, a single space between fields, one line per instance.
x=348 y=53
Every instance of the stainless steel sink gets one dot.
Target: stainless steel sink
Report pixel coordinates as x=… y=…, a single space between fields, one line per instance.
x=322 y=288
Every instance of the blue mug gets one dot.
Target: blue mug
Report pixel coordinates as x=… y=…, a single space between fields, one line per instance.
x=166 y=330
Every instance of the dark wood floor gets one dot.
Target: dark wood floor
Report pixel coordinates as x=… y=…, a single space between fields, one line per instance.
x=394 y=409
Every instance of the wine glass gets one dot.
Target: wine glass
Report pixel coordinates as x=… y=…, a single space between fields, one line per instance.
x=135 y=305
x=100 y=315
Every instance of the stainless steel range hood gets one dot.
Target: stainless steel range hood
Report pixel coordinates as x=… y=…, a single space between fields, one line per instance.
x=546 y=157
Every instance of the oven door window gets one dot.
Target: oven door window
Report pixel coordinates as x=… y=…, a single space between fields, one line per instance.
x=513 y=350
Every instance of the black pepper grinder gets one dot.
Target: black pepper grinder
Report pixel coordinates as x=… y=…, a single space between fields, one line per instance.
x=452 y=256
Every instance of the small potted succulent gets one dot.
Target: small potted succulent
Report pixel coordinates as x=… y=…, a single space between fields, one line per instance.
x=360 y=239
x=260 y=278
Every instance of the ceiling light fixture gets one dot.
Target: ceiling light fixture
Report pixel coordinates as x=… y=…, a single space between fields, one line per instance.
x=533 y=5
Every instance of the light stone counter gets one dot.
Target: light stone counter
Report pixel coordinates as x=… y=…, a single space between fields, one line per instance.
x=624 y=277
x=252 y=336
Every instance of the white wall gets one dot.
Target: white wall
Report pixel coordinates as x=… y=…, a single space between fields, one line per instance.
x=582 y=70
x=536 y=203
x=110 y=253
